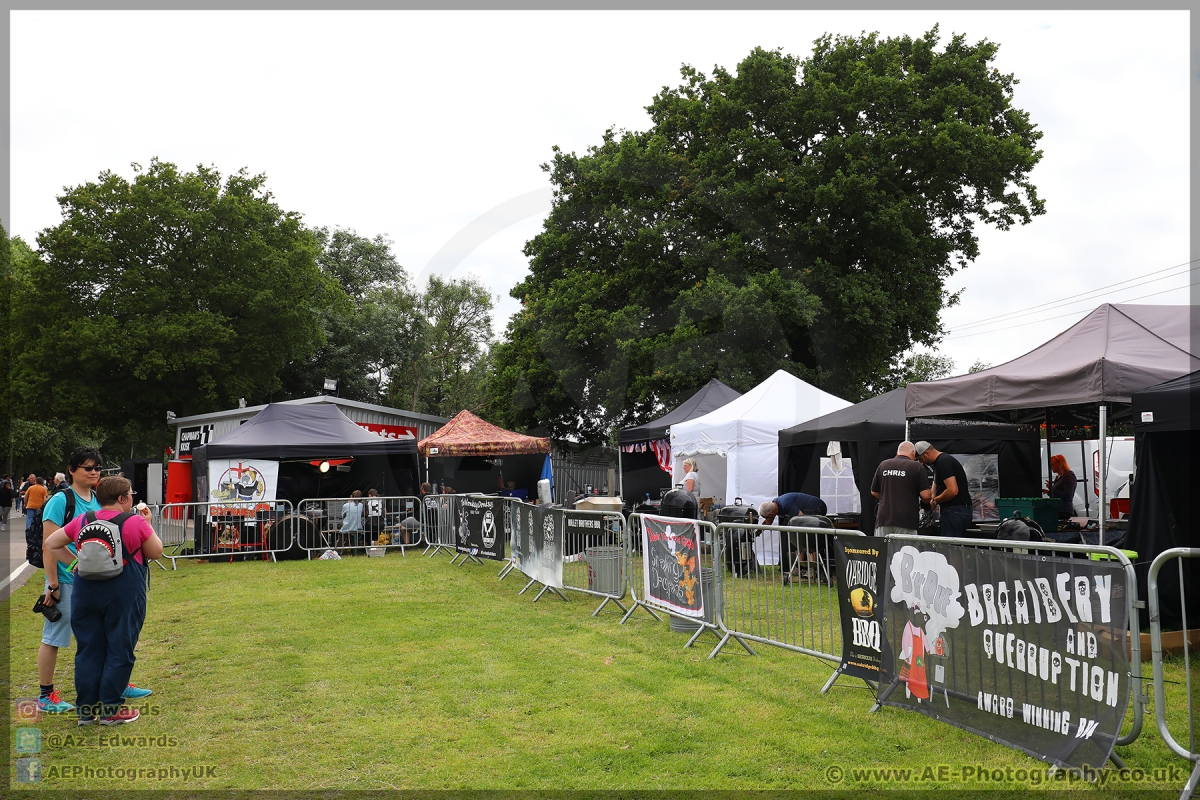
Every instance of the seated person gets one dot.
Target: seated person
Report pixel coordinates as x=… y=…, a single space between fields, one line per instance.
x=410 y=530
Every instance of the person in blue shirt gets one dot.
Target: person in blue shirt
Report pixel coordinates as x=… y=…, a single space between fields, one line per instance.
x=84 y=468
x=792 y=545
x=352 y=518
x=792 y=504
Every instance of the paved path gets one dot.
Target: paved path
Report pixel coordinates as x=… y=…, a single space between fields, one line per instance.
x=16 y=570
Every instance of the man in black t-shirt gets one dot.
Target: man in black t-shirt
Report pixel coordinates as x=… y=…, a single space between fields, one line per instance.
x=950 y=489
x=900 y=484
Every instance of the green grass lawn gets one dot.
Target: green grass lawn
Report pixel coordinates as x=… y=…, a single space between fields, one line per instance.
x=408 y=673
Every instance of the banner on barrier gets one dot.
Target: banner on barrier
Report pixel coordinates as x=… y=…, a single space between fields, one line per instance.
x=1027 y=650
x=861 y=562
x=671 y=548
x=481 y=527
x=538 y=548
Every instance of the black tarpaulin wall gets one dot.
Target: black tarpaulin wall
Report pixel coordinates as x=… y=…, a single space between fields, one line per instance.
x=869 y=433
x=1162 y=517
x=1161 y=514
x=477 y=475
x=641 y=475
x=391 y=476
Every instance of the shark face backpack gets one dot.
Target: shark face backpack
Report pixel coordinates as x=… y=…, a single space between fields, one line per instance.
x=99 y=550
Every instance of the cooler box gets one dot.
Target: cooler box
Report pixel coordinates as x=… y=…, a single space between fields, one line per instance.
x=1042 y=510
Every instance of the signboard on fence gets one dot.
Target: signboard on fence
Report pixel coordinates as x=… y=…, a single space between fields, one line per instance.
x=1027 y=650
x=538 y=549
x=480 y=529
x=861 y=562
x=671 y=549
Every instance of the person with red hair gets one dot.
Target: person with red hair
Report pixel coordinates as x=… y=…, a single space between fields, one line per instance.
x=1063 y=486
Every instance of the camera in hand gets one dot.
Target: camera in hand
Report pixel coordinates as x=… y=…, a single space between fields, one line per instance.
x=52 y=613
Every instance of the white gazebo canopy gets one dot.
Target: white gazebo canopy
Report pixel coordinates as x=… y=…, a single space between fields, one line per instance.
x=737 y=446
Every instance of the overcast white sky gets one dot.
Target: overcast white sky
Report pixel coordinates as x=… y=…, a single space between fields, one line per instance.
x=412 y=124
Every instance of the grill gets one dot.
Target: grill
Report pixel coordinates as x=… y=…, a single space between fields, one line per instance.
x=738 y=513
x=679 y=503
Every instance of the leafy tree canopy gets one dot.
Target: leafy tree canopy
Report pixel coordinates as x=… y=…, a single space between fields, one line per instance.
x=801 y=215
x=175 y=291
x=455 y=331
x=371 y=328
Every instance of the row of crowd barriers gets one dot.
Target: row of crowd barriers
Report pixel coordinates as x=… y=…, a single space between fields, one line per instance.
x=780 y=592
x=1190 y=752
x=276 y=529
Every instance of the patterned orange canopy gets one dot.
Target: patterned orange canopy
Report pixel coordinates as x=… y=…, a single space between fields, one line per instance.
x=468 y=435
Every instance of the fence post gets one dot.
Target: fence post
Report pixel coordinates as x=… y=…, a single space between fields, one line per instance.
x=1191 y=753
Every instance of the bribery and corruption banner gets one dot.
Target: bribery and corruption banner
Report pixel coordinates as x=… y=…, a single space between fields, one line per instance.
x=1027 y=650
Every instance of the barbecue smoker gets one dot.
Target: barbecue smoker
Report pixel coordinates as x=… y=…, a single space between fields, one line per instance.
x=679 y=503
x=738 y=543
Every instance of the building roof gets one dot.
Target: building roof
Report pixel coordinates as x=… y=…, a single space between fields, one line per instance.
x=212 y=416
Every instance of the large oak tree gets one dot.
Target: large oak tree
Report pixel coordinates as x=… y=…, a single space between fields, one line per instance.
x=801 y=215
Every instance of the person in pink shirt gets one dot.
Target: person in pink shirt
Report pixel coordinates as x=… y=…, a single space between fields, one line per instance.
x=106 y=615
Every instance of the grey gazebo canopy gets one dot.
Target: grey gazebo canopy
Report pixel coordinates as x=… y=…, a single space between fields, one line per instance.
x=1102 y=359
x=712 y=395
x=1078 y=381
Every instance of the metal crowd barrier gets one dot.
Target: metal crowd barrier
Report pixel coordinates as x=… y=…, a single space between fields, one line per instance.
x=220 y=530
x=596 y=548
x=711 y=594
x=1190 y=752
x=319 y=525
x=1137 y=696
x=439 y=522
x=510 y=527
x=778 y=588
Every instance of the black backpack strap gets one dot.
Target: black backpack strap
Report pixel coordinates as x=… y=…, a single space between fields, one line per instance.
x=119 y=520
x=69 y=513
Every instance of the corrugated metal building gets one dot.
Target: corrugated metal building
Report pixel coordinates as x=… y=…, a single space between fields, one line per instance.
x=574 y=467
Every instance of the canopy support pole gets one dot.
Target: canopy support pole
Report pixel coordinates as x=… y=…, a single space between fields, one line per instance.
x=907 y=431
x=1102 y=511
x=620 y=474
x=1049 y=470
x=1087 y=500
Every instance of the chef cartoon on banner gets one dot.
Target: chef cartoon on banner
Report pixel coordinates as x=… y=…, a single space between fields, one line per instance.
x=928 y=586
